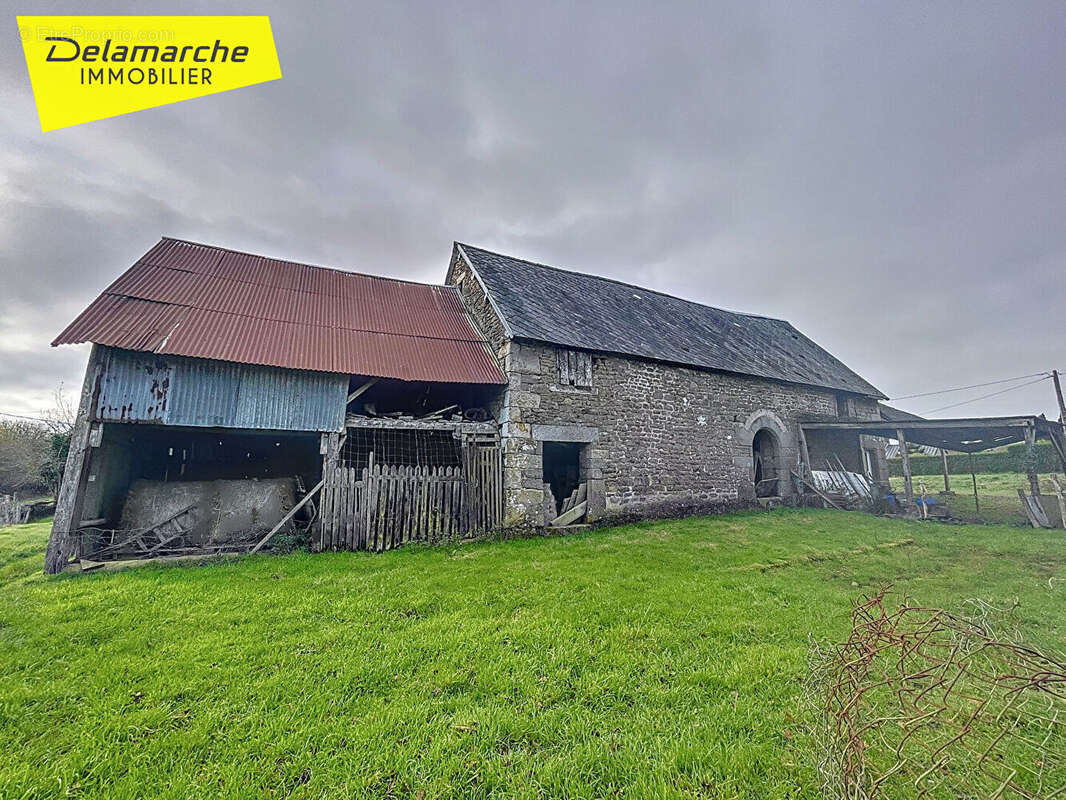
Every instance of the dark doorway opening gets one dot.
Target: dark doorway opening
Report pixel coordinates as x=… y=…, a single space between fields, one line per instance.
x=764 y=451
x=562 y=469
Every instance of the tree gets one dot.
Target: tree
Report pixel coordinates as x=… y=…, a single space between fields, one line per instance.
x=34 y=452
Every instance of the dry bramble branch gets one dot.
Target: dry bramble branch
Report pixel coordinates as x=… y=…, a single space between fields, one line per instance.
x=919 y=703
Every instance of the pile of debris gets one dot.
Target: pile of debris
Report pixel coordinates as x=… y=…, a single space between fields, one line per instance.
x=838 y=487
x=574 y=508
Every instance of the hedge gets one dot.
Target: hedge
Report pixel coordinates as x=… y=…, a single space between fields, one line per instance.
x=1008 y=459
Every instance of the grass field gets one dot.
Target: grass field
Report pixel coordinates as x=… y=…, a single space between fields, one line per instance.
x=997 y=492
x=653 y=660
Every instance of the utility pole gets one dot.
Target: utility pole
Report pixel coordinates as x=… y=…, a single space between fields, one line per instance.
x=1058 y=394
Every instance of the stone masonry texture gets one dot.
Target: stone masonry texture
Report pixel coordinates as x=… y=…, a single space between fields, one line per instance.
x=653 y=434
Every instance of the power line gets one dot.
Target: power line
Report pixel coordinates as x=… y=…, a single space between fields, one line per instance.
x=972 y=386
x=990 y=394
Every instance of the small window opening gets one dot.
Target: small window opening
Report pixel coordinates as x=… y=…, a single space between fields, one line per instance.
x=562 y=470
x=575 y=368
x=843 y=406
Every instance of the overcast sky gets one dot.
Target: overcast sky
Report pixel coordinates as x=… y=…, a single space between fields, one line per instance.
x=888 y=177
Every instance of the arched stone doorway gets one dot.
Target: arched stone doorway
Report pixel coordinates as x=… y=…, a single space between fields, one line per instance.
x=766 y=458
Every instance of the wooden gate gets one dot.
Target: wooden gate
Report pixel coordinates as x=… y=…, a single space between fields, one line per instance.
x=384 y=506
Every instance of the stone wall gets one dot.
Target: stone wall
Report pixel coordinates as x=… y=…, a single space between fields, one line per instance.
x=653 y=435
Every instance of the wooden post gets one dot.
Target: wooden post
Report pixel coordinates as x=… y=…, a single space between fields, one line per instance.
x=973 y=477
x=1062 y=500
x=908 y=486
x=330 y=449
x=947 y=480
x=1058 y=394
x=63 y=541
x=805 y=456
x=1030 y=461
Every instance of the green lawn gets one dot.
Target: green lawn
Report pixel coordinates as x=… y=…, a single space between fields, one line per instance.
x=653 y=660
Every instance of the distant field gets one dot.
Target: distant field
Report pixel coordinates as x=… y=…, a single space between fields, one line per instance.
x=997 y=492
x=653 y=660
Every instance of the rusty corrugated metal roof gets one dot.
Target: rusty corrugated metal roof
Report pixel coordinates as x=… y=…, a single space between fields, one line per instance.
x=188 y=299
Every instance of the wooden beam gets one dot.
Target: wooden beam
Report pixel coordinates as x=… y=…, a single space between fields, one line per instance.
x=573 y=515
x=1058 y=396
x=947 y=479
x=361 y=389
x=805 y=455
x=921 y=425
x=1028 y=509
x=973 y=477
x=1062 y=500
x=908 y=486
x=1030 y=461
x=287 y=517
x=64 y=539
x=810 y=485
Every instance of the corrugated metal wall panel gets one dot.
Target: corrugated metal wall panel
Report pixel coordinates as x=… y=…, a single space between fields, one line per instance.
x=172 y=390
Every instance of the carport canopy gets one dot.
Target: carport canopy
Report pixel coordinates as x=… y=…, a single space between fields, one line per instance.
x=963 y=435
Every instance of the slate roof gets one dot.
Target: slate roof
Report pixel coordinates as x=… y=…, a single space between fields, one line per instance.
x=189 y=299
x=577 y=310
x=897 y=415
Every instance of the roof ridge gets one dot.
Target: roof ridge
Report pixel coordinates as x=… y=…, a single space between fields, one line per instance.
x=337 y=270
x=623 y=283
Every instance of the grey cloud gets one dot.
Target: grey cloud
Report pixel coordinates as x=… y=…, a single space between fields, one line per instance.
x=889 y=178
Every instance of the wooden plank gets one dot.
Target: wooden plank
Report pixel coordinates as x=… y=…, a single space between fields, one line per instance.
x=1028 y=509
x=389 y=488
x=1038 y=511
x=287 y=517
x=373 y=495
x=810 y=485
x=420 y=504
x=389 y=492
x=1061 y=498
x=353 y=509
x=342 y=508
x=409 y=502
x=908 y=485
x=1030 y=461
x=64 y=540
x=573 y=515
x=457 y=507
x=562 y=363
x=431 y=508
x=446 y=504
x=360 y=390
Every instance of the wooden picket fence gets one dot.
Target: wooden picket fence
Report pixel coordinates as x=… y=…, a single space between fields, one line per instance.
x=381 y=506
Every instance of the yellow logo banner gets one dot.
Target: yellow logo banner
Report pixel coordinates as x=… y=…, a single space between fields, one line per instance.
x=88 y=68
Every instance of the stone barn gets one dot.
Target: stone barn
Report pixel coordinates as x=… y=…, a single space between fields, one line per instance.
x=653 y=403
x=228 y=395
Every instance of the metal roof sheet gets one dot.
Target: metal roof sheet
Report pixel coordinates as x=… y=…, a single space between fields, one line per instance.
x=188 y=299
x=588 y=312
